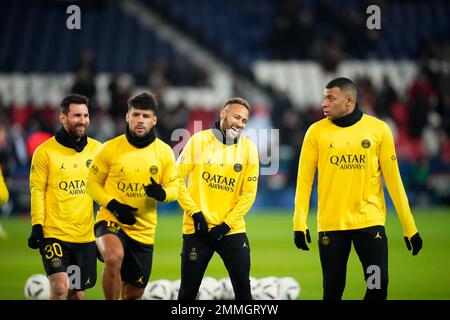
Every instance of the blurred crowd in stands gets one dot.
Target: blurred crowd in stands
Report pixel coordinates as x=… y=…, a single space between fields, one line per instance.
x=329 y=31
x=418 y=117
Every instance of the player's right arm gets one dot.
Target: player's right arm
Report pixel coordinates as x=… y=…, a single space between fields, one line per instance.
x=185 y=164
x=307 y=165
x=38 y=185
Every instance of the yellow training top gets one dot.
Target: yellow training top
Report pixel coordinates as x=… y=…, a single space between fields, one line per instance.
x=222 y=180
x=350 y=163
x=58 y=191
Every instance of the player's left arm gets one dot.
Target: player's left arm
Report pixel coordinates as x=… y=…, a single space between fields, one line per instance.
x=391 y=174
x=248 y=190
x=4 y=194
x=170 y=177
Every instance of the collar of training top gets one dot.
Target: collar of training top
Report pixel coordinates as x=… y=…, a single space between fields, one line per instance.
x=141 y=142
x=218 y=133
x=69 y=141
x=349 y=119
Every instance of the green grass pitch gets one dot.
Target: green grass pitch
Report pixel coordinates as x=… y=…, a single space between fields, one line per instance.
x=426 y=276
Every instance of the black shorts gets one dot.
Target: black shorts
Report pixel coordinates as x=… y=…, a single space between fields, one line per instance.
x=137 y=260
x=79 y=260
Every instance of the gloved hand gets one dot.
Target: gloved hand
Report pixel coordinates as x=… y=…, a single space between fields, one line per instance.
x=415 y=243
x=36 y=236
x=299 y=239
x=123 y=212
x=200 y=225
x=155 y=190
x=216 y=233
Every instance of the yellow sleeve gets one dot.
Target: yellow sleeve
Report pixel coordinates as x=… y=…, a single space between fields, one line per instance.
x=4 y=194
x=98 y=171
x=393 y=180
x=170 y=177
x=38 y=186
x=248 y=191
x=185 y=164
x=307 y=165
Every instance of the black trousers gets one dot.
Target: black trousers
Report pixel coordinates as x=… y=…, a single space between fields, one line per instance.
x=196 y=254
x=372 y=248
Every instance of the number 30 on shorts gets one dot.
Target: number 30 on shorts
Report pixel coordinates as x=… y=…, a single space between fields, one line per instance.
x=52 y=250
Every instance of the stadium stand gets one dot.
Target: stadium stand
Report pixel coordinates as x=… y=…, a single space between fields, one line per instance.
x=289 y=48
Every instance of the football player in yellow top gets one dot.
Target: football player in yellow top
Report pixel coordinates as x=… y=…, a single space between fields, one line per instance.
x=352 y=151
x=62 y=213
x=222 y=169
x=128 y=176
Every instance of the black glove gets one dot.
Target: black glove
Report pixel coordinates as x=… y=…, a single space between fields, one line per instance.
x=200 y=225
x=299 y=239
x=123 y=212
x=415 y=243
x=218 y=232
x=36 y=236
x=155 y=190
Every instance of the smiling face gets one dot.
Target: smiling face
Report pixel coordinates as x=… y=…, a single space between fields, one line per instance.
x=76 y=121
x=337 y=103
x=140 y=122
x=233 y=120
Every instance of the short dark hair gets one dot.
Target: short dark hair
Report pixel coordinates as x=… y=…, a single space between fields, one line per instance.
x=143 y=101
x=345 y=84
x=73 y=98
x=237 y=100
